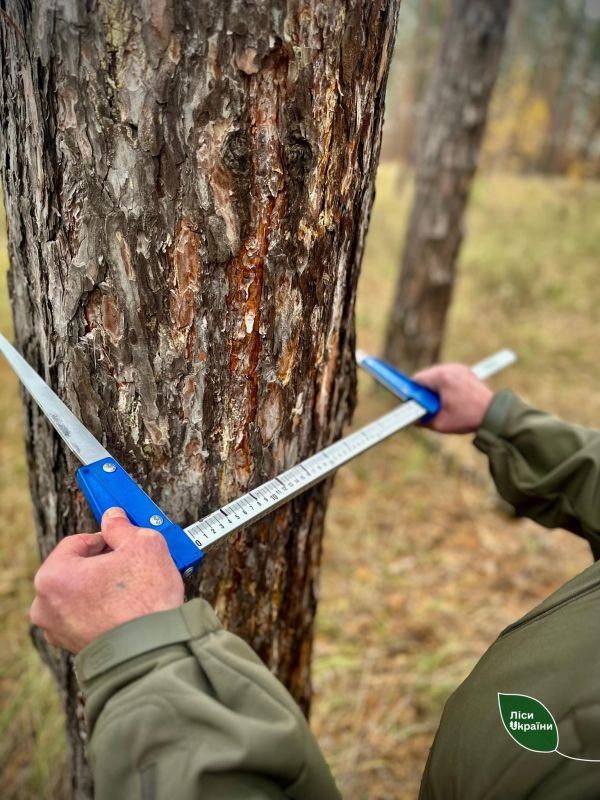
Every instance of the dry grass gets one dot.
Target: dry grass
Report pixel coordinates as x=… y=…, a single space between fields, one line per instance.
x=421 y=568
x=32 y=745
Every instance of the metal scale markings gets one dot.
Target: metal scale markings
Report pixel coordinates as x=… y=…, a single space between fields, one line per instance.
x=105 y=483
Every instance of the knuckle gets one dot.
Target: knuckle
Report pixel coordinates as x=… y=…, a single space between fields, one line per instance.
x=149 y=534
x=64 y=544
x=42 y=582
x=153 y=540
x=35 y=614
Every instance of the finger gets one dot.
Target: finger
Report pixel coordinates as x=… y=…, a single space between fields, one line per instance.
x=116 y=528
x=35 y=612
x=82 y=545
x=50 y=639
x=432 y=377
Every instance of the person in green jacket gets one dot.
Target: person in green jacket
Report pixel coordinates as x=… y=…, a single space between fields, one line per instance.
x=180 y=709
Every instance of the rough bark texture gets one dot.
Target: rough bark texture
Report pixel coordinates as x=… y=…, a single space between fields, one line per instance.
x=187 y=189
x=450 y=139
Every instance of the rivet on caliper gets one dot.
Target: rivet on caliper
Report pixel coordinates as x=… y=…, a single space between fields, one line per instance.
x=156 y=520
x=108 y=467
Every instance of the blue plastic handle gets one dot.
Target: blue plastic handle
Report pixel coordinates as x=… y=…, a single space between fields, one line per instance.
x=401 y=385
x=106 y=484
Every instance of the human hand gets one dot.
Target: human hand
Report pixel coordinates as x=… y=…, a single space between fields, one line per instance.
x=92 y=582
x=465 y=398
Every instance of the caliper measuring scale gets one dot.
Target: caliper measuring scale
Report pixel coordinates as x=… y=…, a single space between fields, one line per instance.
x=105 y=483
x=255 y=504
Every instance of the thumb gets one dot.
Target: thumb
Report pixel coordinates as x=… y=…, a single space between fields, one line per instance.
x=432 y=377
x=116 y=528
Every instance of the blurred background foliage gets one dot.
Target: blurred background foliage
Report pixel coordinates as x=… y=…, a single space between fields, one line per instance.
x=422 y=567
x=545 y=115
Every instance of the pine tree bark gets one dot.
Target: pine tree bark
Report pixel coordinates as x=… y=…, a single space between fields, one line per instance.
x=449 y=144
x=187 y=188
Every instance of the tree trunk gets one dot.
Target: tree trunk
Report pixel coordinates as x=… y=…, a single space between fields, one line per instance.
x=412 y=80
x=187 y=188
x=570 y=56
x=450 y=140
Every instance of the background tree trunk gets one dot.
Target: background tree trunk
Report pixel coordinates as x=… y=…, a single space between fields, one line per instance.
x=450 y=139
x=187 y=188
x=569 y=59
x=408 y=105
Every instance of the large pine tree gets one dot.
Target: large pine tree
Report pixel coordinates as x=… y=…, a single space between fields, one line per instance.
x=187 y=188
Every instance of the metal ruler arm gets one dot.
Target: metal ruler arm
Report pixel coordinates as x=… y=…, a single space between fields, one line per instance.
x=259 y=502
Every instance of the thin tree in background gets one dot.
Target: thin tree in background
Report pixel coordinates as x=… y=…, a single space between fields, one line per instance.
x=572 y=67
x=417 y=46
x=545 y=104
x=187 y=188
x=449 y=145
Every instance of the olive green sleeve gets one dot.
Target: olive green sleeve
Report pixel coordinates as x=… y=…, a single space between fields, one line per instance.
x=180 y=709
x=547 y=469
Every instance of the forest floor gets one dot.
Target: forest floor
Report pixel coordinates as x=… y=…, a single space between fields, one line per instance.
x=422 y=566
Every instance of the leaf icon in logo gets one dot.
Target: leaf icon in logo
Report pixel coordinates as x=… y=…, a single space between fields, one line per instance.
x=529 y=722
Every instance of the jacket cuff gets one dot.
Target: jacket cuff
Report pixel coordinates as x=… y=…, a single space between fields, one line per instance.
x=504 y=414
x=144 y=634
x=497 y=414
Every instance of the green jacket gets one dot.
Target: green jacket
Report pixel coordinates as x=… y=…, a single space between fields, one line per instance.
x=180 y=709
x=549 y=471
